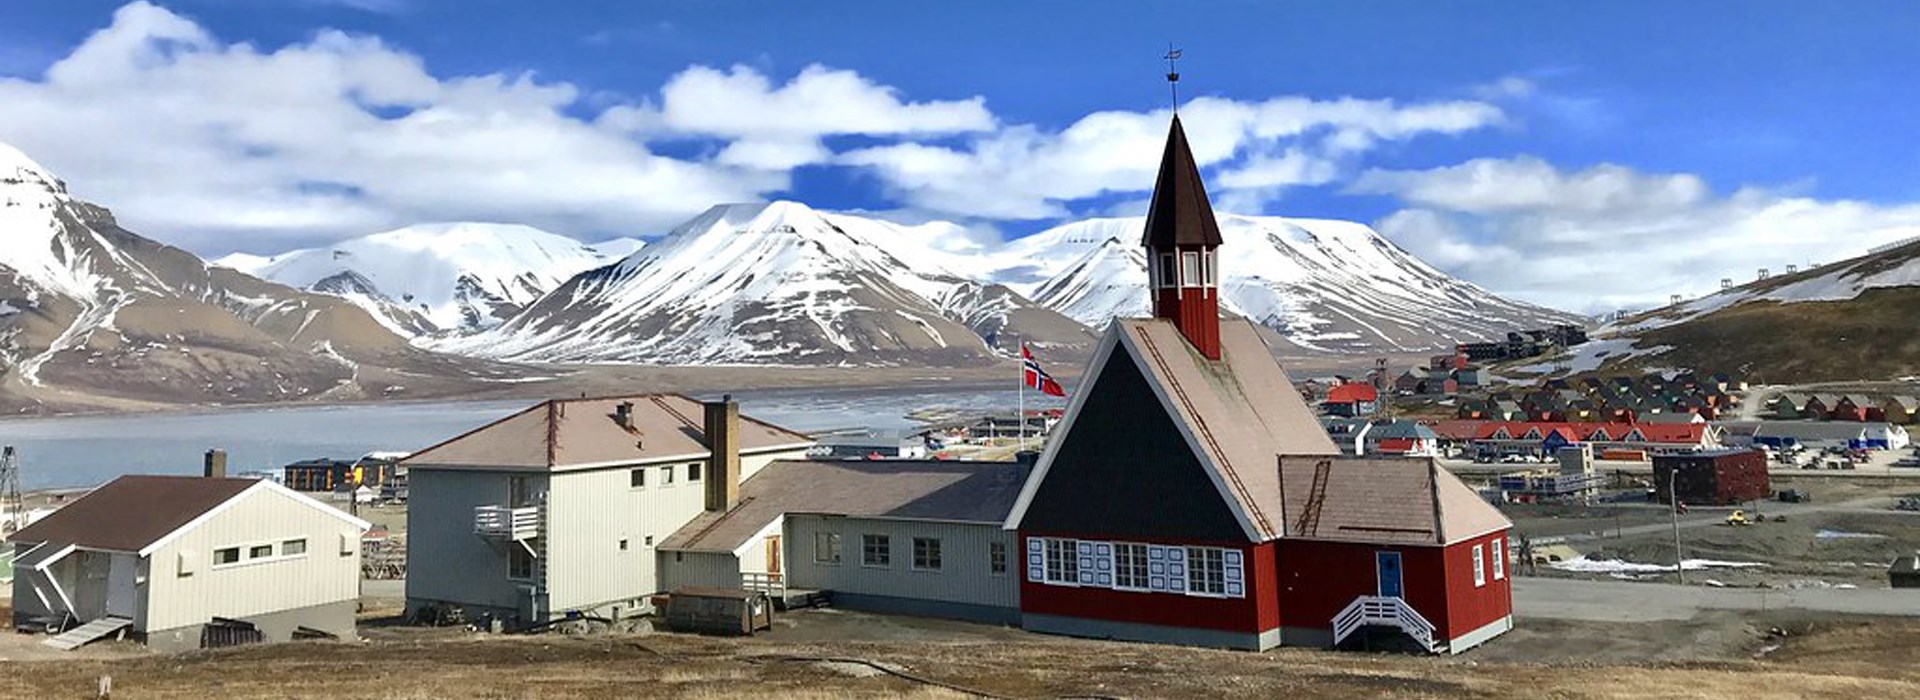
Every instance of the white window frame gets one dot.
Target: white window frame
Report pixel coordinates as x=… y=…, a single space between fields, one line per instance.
x=1479 y=566
x=927 y=550
x=885 y=550
x=830 y=554
x=1062 y=561
x=1211 y=269
x=303 y=547
x=1130 y=558
x=1169 y=271
x=246 y=557
x=1200 y=562
x=666 y=476
x=1190 y=268
x=1499 y=559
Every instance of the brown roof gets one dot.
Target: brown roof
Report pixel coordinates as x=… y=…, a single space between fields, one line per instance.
x=1384 y=500
x=961 y=491
x=571 y=433
x=1179 y=213
x=1242 y=408
x=131 y=512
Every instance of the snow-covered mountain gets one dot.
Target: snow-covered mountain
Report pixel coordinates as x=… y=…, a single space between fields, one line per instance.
x=94 y=315
x=1323 y=284
x=775 y=283
x=437 y=278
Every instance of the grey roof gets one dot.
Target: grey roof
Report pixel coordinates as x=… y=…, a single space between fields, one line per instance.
x=946 y=490
x=569 y=433
x=1801 y=430
x=1382 y=500
x=1402 y=429
x=1670 y=418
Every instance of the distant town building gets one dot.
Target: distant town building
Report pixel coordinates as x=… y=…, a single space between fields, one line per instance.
x=1720 y=477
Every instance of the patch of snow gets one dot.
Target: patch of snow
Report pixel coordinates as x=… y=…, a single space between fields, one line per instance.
x=1583 y=564
x=1844 y=535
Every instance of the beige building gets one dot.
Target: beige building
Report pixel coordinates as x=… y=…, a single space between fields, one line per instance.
x=561 y=507
x=162 y=558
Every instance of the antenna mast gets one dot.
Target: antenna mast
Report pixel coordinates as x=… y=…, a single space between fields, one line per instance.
x=10 y=506
x=1173 y=75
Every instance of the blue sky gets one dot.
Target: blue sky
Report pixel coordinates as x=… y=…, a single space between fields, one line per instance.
x=1555 y=137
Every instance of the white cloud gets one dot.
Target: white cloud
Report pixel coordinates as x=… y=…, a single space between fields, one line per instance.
x=1259 y=148
x=1609 y=237
x=220 y=146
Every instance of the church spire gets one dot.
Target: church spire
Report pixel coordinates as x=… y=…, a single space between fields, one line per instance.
x=1180 y=240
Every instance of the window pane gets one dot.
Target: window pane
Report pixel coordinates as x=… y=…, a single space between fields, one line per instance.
x=1206 y=570
x=1190 y=269
x=926 y=553
x=1063 y=561
x=260 y=551
x=826 y=547
x=1213 y=270
x=292 y=547
x=1167 y=277
x=666 y=475
x=638 y=477
x=875 y=550
x=1129 y=565
x=226 y=556
x=519 y=563
x=693 y=471
x=997 y=557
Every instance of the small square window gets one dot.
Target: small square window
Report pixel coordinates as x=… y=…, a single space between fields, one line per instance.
x=623 y=544
x=876 y=550
x=826 y=547
x=666 y=475
x=926 y=553
x=226 y=556
x=637 y=478
x=693 y=471
x=649 y=540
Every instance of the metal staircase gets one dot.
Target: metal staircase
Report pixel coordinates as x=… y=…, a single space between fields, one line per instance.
x=1384 y=611
x=79 y=636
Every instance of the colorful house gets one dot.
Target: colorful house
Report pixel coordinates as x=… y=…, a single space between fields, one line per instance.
x=1352 y=399
x=1188 y=497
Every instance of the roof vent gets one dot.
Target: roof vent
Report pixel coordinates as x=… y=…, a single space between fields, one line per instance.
x=623 y=414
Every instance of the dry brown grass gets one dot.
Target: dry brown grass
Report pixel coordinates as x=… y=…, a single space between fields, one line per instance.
x=1840 y=660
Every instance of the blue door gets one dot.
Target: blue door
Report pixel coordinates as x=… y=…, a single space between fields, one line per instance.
x=1388 y=566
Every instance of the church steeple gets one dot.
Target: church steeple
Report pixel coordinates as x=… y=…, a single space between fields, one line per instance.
x=1180 y=240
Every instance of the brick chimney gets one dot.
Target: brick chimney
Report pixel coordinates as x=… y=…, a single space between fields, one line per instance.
x=215 y=465
x=723 y=439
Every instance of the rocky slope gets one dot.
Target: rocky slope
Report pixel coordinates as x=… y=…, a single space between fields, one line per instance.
x=93 y=315
x=775 y=284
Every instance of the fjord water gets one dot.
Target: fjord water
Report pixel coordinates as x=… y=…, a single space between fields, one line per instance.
x=82 y=451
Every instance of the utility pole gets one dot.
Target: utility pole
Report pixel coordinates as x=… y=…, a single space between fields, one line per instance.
x=1673 y=503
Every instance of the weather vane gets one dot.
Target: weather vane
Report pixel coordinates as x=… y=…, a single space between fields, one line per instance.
x=1173 y=76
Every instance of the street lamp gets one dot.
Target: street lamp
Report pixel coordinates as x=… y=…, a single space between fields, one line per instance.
x=1673 y=505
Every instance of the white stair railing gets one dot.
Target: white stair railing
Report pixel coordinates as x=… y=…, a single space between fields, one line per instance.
x=773 y=584
x=1383 y=610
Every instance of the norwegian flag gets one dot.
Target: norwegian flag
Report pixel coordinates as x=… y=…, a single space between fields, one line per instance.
x=1038 y=378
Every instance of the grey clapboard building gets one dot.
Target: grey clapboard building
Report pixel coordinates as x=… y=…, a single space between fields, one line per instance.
x=560 y=507
x=919 y=537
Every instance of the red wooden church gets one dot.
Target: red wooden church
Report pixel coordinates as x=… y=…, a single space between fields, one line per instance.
x=1190 y=497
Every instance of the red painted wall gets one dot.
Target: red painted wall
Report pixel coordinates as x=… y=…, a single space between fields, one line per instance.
x=1257 y=612
x=1318 y=580
x=1196 y=312
x=1470 y=608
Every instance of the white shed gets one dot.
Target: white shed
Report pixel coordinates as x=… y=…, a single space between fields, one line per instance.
x=163 y=557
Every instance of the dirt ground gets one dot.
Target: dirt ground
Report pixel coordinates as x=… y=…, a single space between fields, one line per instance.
x=1801 y=659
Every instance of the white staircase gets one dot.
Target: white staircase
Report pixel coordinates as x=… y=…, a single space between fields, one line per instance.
x=1386 y=611
x=79 y=636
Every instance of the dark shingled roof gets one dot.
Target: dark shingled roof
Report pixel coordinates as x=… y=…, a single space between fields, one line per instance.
x=1179 y=213
x=133 y=511
x=947 y=490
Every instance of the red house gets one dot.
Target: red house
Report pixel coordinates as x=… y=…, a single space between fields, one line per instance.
x=1190 y=497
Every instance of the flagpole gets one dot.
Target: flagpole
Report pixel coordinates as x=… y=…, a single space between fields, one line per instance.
x=1022 y=416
